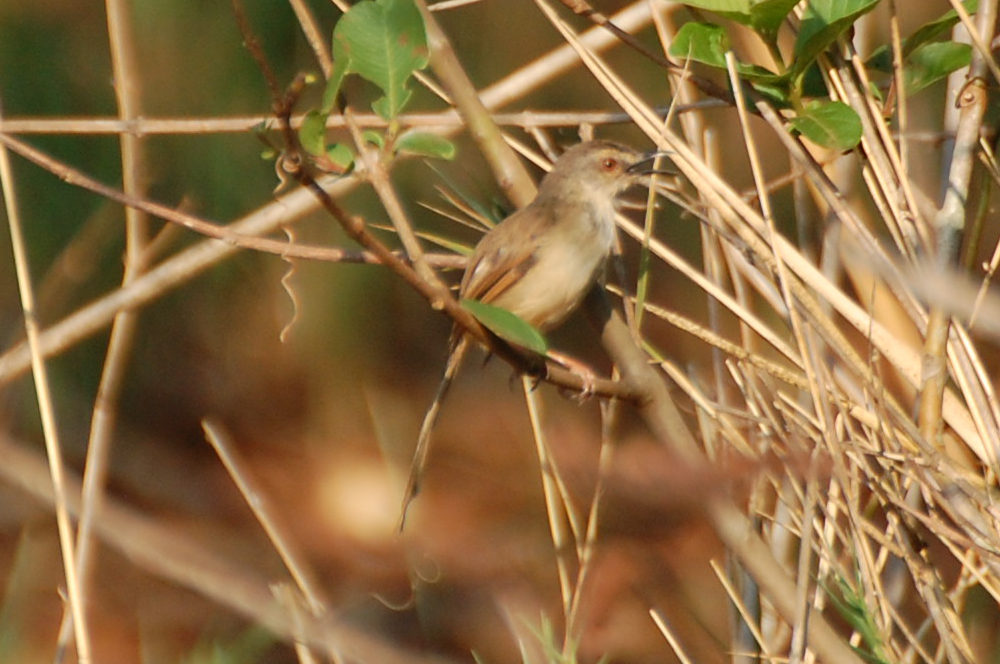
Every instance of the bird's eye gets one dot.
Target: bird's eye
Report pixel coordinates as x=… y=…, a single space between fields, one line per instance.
x=609 y=164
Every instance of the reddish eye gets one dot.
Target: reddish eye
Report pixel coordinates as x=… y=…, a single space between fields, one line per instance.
x=609 y=164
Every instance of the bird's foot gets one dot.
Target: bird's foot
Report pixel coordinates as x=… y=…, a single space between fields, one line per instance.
x=578 y=368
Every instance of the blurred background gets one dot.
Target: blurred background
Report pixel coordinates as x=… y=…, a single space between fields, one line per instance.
x=325 y=420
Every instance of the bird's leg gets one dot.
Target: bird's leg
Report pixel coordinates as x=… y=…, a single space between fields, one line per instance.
x=536 y=371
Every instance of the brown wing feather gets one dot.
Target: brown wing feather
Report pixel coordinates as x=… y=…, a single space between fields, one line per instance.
x=495 y=267
x=493 y=282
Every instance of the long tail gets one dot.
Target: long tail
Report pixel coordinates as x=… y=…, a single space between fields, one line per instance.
x=430 y=418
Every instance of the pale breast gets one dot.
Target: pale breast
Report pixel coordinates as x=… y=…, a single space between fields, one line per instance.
x=562 y=273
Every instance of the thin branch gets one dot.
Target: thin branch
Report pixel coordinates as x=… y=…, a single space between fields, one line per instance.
x=43 y=396
x=508 y=171
x=311 y=29
x=378 y=176
x=123 y=329
x=555 y=508
x=707 y=86
x=161 y=279
x=949 y=223
x=261 y=507
x=205 y=227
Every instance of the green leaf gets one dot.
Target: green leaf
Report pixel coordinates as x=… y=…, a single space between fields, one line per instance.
x=767 y=16
x=929 y=31
x=851 y=606
x=832 y=124
x=312 y=133
x=707 y=43
x=764 y=16
x=341 y=67
x=822 y=22
x=702 y=42
x=384 y=42
x=932 y=62
x=426 y=144
x=341 y=156
x=507 y=326
x=722 y=6
x=775 y=92
x=812 y=84
x=881 y=57
x=373 y=137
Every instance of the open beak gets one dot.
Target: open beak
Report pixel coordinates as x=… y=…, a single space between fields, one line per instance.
x=649 y=164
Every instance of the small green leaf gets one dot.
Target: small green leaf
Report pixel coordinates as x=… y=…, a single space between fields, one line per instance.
x=426 y=144
x=851 y=606
x=341 y=156
x=832 y=124
x=702 y=42
x=822 y=22
x=384 y=42
x=312 y=133
x=932 y=62
x=374 y=138
x=507 y=326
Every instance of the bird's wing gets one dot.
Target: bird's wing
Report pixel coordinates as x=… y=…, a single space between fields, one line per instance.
x=496 y=269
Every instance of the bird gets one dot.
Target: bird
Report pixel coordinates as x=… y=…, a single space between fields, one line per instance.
x=541 y=261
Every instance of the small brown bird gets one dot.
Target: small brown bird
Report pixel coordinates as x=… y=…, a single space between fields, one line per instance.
x=539 y=262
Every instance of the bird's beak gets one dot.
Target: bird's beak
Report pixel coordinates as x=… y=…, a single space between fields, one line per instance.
x=648 y=164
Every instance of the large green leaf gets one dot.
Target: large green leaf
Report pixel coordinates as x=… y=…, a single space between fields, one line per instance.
x=722 y=6
x=822 y=22
x=384 y=42
x=931 y=30
x=932 y=62
x=507 y=326
x=832 y=124
x=881 y=58
x=707 y=43
x=764 y=16
x=767 y=16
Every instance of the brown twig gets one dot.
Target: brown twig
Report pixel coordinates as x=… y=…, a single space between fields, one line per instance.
x=708 y=87
x=123 y=329
x=949 y=223
x=205 y=227
x=46 y=410
x=507 y=170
